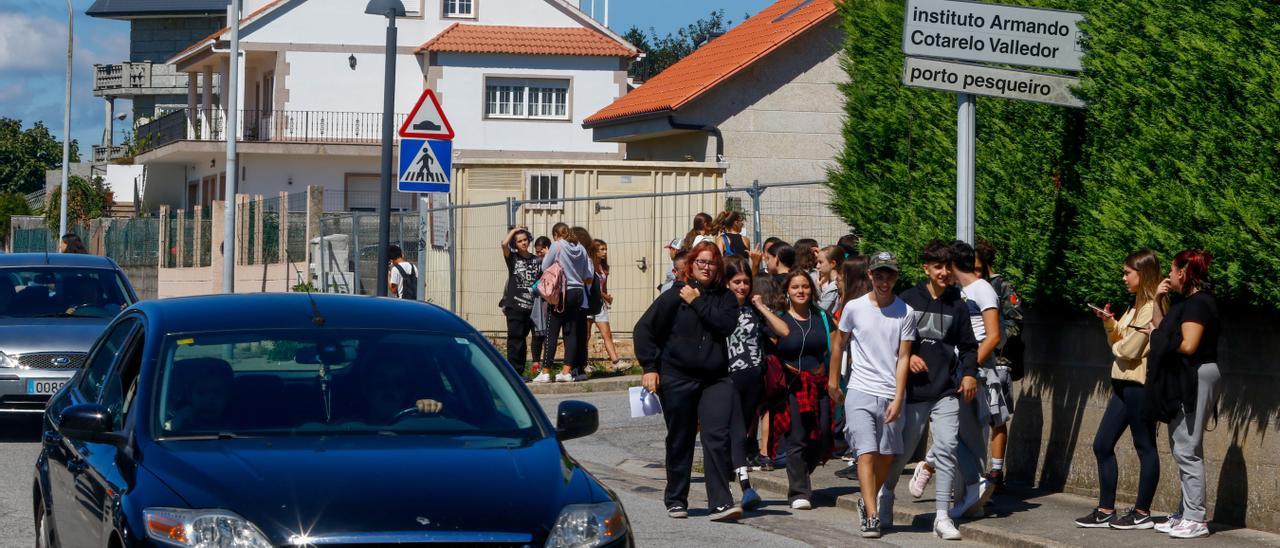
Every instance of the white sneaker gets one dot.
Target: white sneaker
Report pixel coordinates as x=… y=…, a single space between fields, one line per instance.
x=919 y=480
x=946 y=529
x=987 y=488
x=974 y=497
x=801 y=504
x=542 y=377
x=1189 y=529
x=621 y=365
x=1169 y=524
x=564 y=377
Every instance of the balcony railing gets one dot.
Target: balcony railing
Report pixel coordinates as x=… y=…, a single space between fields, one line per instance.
x=121 y=75
x=264 y=126
x=104 y=154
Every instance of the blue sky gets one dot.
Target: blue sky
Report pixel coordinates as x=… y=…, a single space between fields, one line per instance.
x=33 y=41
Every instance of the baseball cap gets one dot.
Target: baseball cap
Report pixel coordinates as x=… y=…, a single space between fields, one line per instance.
x=675 y=244
x=885 y=259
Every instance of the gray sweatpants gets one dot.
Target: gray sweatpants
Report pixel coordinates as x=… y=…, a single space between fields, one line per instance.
x=943 y=419
x=1186 y=441
x=970 y=454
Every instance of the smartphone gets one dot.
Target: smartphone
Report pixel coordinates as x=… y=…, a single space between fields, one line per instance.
x=1102 y=311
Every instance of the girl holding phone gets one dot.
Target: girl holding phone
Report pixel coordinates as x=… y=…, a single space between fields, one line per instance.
x=1129 y=337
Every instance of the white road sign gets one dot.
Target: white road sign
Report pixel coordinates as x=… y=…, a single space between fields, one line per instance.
x=990 y=81
x=974 y=31
x=427 y=119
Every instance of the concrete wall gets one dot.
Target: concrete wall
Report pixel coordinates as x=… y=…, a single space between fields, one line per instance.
x=594 y=83
x=1061 y=402
x=325 y=81
x=157 y=40
x=270 y=174
x=186 y=282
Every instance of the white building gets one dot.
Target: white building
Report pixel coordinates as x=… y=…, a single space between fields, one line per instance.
x=516 y=79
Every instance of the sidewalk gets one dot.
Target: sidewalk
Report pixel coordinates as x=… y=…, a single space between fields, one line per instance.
x=599 y=384
x=1019 y=518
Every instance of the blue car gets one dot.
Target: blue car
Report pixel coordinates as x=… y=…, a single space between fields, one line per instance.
x=309 y=420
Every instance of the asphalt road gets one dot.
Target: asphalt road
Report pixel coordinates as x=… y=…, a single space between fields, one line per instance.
x=625 y=453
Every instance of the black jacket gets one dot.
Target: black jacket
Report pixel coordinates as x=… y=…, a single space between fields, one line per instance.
x=687 y=340
x=944 y=340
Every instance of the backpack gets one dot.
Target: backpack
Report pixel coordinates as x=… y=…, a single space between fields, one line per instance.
x=1011 y=351
x=408 y=283
x=551 y=286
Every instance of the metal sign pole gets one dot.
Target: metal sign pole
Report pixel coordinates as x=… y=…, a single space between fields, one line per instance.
x=384 y=194
x=965 y=154
x=232 y=129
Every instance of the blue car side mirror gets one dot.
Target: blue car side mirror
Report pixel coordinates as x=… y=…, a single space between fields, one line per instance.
x=88 y=422
x=576 y=419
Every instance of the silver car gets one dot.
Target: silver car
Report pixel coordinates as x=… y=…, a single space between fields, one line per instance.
x=52 y=309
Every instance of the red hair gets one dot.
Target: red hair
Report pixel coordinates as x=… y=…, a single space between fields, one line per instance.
x=1194 y=264
x=717 y=278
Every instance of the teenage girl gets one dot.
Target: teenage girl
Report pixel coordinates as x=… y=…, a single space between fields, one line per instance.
x=829 y=260
x=601 y=320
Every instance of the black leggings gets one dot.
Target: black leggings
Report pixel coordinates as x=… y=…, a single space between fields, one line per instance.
x=519 y=324
x=1125 y=411
x=749 y=384
x=573 y=322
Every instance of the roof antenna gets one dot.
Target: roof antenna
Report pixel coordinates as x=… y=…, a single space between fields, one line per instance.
x=316 y=318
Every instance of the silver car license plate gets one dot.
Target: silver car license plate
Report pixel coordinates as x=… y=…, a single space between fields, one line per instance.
x=46 y=387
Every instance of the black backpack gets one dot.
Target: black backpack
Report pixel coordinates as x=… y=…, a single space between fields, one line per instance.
x=1011 y=352
x=408 y=283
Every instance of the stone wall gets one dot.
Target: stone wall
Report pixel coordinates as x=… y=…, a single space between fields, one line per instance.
x=157 y=40
x=1062 y=398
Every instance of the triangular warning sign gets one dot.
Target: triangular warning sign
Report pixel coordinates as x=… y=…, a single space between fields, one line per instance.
x=429 y=122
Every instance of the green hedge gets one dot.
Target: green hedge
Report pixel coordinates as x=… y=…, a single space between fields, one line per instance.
x=1178 y=148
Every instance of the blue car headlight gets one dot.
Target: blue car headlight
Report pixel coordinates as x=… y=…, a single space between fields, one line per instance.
x=202 y=529
x=588 y=525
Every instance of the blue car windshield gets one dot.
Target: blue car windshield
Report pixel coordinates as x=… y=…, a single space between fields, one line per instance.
x=333 y=382
x=36 y=292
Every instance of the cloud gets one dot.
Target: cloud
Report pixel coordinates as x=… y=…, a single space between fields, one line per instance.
x=31 y=42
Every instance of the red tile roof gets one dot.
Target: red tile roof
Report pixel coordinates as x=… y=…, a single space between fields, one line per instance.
x=719 y=60
x=461 y=38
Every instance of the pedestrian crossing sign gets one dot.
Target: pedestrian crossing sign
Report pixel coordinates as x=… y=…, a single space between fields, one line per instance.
x=426 y=165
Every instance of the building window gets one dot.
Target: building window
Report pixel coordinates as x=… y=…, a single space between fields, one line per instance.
x=412 y=8
x=459 y=8
x=537 y=99
x=545 y=186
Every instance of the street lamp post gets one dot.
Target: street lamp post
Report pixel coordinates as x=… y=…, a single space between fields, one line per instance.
x=389 y=9
x=66 y=130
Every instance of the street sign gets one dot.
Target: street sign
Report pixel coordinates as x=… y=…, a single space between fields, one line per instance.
x=427 y=119
x=991 y=81
x=425 y=165
x=1011 y=35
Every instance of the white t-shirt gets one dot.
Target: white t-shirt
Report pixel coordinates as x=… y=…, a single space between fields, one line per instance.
x=397 y=279
x=876 y=334
x=980 y=297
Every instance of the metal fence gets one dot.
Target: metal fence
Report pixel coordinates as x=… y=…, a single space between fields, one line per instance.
x=131 y=243
x=457 y=246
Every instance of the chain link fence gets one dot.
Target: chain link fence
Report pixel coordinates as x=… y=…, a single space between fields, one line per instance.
x=131 y=243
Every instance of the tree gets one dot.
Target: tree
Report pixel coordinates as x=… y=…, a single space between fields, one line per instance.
x=26 y=155
x=85 y=201
x=11 y=203
x=661 y=52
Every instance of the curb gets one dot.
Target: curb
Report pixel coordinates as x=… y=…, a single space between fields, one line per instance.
x=608 y=384
x=972 y=530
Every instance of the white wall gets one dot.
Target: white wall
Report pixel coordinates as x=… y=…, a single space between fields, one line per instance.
x=325 y=81
x=462 y=96
x=269 y=174
x=120 y=180
x=315 y=21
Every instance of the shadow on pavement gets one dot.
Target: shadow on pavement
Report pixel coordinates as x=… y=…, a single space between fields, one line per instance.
x=20 y=429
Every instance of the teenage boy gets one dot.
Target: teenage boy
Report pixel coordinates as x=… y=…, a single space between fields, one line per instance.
x=780 y=259
x=943 y=370
x=1008 y=353
x=879 y=330
x=402 y=279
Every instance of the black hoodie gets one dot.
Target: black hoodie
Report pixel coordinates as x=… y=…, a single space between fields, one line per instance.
x=687 y=340
x=944 y=340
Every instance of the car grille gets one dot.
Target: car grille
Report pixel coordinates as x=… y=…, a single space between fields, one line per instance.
x=52 y=360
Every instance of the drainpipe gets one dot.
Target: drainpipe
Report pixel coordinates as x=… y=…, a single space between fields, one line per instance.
x=712 y=130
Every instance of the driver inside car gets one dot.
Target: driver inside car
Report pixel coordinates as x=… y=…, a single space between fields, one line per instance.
x=80 y=293
x=390 y=389
x=200 y=390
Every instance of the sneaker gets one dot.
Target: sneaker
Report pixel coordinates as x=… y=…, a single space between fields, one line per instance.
x=562 y=377
x=974 y=497
x=766 y=464
x=919 y=480
x=862 y=514
x=677 y=512
x=621 y=365
x=1133 y=520
x=726 y=513
x=542 y=377
x=986 y=489
x=1169 y=524
x=1096 y=519
x=871 y=529
x=996 y=477
x=751 y=500
x=849 y=457
x=801 y=504
x=945 y=529
x=849 y=472
x=1189 y=529
x=579 y=378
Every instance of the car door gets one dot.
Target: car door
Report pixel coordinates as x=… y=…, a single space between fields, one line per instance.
x=103 y=478
x=73 y=523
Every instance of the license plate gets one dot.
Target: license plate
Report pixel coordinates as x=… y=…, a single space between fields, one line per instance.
x=44 y=387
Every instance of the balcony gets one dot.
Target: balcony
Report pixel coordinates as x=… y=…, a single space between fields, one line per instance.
x=104 y=154
x=262 y=126
x=140 y=78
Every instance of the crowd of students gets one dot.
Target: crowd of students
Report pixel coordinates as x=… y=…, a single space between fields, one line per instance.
x=797 y=353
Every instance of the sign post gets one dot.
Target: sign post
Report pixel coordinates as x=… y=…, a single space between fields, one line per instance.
x=426 y=167
x=987 y=33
